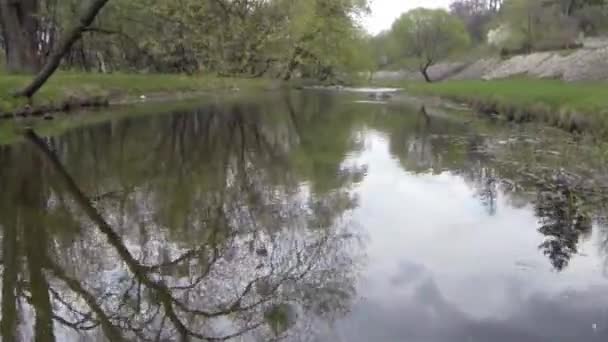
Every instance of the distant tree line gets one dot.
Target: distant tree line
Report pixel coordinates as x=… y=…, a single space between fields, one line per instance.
x=422 y=37
x=532 y=22
x=536 y=25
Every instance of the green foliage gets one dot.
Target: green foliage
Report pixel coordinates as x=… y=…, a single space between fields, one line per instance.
x=117 y=86
x=280 y=317
x=476 y=15
x=427 y=35
x=224 y=37
x=533 y=25
x=324 y=38
x=593 y=19
x=318 y=38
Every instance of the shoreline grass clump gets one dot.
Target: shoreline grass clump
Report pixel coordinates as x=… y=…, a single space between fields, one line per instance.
x=575 y=107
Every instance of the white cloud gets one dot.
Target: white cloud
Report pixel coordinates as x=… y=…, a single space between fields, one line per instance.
x=384 y=12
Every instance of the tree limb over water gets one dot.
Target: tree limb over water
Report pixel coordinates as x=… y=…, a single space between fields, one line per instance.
x=54 y=60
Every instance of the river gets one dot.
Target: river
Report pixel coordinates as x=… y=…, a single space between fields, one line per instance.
x=303 y=216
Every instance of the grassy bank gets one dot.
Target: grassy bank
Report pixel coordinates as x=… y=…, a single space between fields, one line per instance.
x=67 y=87
x=571 y=106
x=11 y=131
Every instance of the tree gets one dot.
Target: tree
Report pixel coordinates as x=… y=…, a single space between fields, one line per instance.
x=476 y=14
x=569 y=7
x=64 y=46
x=314 y=38
x=323 y=36
x=590 y=15
x=19 y=28
x=428 y=36
x=538 y=25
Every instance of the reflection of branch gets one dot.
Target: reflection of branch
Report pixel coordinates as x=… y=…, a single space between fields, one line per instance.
x=110 y=194
x=203 y=275
x=74 y=325
x=216 y=254
x=177 y=315
x=83 y=202
x=85 y=316
x=108 y=328
x=162 y=291
x=162 y=326
x=292 y=113
x=186 y=256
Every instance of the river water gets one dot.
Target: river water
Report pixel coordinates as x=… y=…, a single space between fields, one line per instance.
x=307 y=216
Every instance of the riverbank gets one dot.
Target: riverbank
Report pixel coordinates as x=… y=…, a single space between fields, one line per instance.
x=11 y=131
x=588 y=63
x=575 y=107
x=66 y=91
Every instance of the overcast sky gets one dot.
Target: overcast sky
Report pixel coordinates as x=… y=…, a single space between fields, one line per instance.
x=384 y=12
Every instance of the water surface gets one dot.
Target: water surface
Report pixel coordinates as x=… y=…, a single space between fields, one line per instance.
x=308 y=216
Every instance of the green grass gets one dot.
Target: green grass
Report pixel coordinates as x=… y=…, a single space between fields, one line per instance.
x=65 y=85
x=572 y=106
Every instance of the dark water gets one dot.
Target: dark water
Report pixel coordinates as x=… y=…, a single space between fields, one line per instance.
x=303 y=217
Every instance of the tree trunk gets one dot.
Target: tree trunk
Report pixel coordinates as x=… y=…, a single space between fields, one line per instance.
x=63 y=47
x=264 y=69
x=292 y=65
x=424 y=71
x=84 y=63
x=19 y=29
x=569 y=8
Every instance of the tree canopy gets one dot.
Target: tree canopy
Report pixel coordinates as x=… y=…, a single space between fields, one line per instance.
x=318 y=38
x=534 y=25
x=428 y=36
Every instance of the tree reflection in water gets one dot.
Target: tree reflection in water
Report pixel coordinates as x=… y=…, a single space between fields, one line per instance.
x=208 y=235
x=232 y=220
x=562 y=218
x=566 y=207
